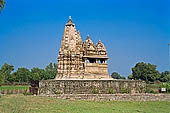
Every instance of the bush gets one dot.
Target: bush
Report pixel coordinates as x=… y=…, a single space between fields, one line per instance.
x=150 y=90
x=167 y=86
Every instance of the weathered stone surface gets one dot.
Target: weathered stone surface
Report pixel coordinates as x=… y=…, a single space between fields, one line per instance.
x=115 y=97
x=81 y=60
x=53 y=87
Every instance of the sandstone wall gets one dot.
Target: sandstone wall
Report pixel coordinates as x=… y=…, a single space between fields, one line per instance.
x=116 y=97
x=53 y=87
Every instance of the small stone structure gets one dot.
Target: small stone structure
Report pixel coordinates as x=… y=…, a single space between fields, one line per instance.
x=81 y=60
x=54 y=87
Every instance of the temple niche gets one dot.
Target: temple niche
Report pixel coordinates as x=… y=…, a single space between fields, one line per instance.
x=81 y=60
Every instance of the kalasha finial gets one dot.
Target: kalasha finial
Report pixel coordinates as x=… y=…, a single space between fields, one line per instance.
x=70 y=18
x=88 y=36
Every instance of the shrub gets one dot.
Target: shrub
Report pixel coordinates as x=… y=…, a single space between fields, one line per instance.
x=167 y=86
x=150 y=90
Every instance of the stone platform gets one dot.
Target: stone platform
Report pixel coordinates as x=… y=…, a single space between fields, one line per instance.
x=83 y=86
x=115 y=97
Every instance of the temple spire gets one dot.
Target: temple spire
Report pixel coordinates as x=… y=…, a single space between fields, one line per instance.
x=70 y=22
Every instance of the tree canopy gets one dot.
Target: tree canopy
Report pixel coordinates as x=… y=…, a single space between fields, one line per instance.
x=165 y=76
x=145 y=71
x=116 y=75
x=6 y=71
x=24 y=75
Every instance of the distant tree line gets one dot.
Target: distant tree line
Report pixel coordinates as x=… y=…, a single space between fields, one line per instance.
x=146 y=72
x=24 y=75
x=2 y=4
x=141 y=71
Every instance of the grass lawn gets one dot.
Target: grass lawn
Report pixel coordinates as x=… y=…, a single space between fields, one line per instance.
x=14 y=87
x=36 y=104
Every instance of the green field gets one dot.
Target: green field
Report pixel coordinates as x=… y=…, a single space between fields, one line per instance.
x=35 y=104
x=21 y=87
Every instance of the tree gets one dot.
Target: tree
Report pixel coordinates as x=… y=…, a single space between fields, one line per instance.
x=51 y=70
x=165 y=76
x=145 y=71
x=37 y=74
x=2 y=4
x=12 y=77
x=116 y=75
x=22 y=75
x=6 y=70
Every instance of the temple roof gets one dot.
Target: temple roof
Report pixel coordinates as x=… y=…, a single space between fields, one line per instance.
x=100 y=46
x=88 y=41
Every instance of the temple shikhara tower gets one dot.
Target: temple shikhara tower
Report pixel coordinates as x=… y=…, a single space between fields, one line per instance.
x=81 y=60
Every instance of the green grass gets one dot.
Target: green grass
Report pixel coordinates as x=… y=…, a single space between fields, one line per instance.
x=14 y=87
x=36 y=104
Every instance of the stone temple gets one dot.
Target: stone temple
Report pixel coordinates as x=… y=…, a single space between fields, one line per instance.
x=83 y=69
x=81 y=60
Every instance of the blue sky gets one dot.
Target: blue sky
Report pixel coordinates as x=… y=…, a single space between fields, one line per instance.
x=132 y=31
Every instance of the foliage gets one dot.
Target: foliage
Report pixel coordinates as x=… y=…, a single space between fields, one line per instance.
x=6 y=71
x=51 y=70
x=37 y=74
x=149 y=90
x=156 y=87
x=24 y=75
x=167 y=86
x=2 y=4
x=165 y=76
x=145 y=71
x=116 y=75
x=130 y=77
